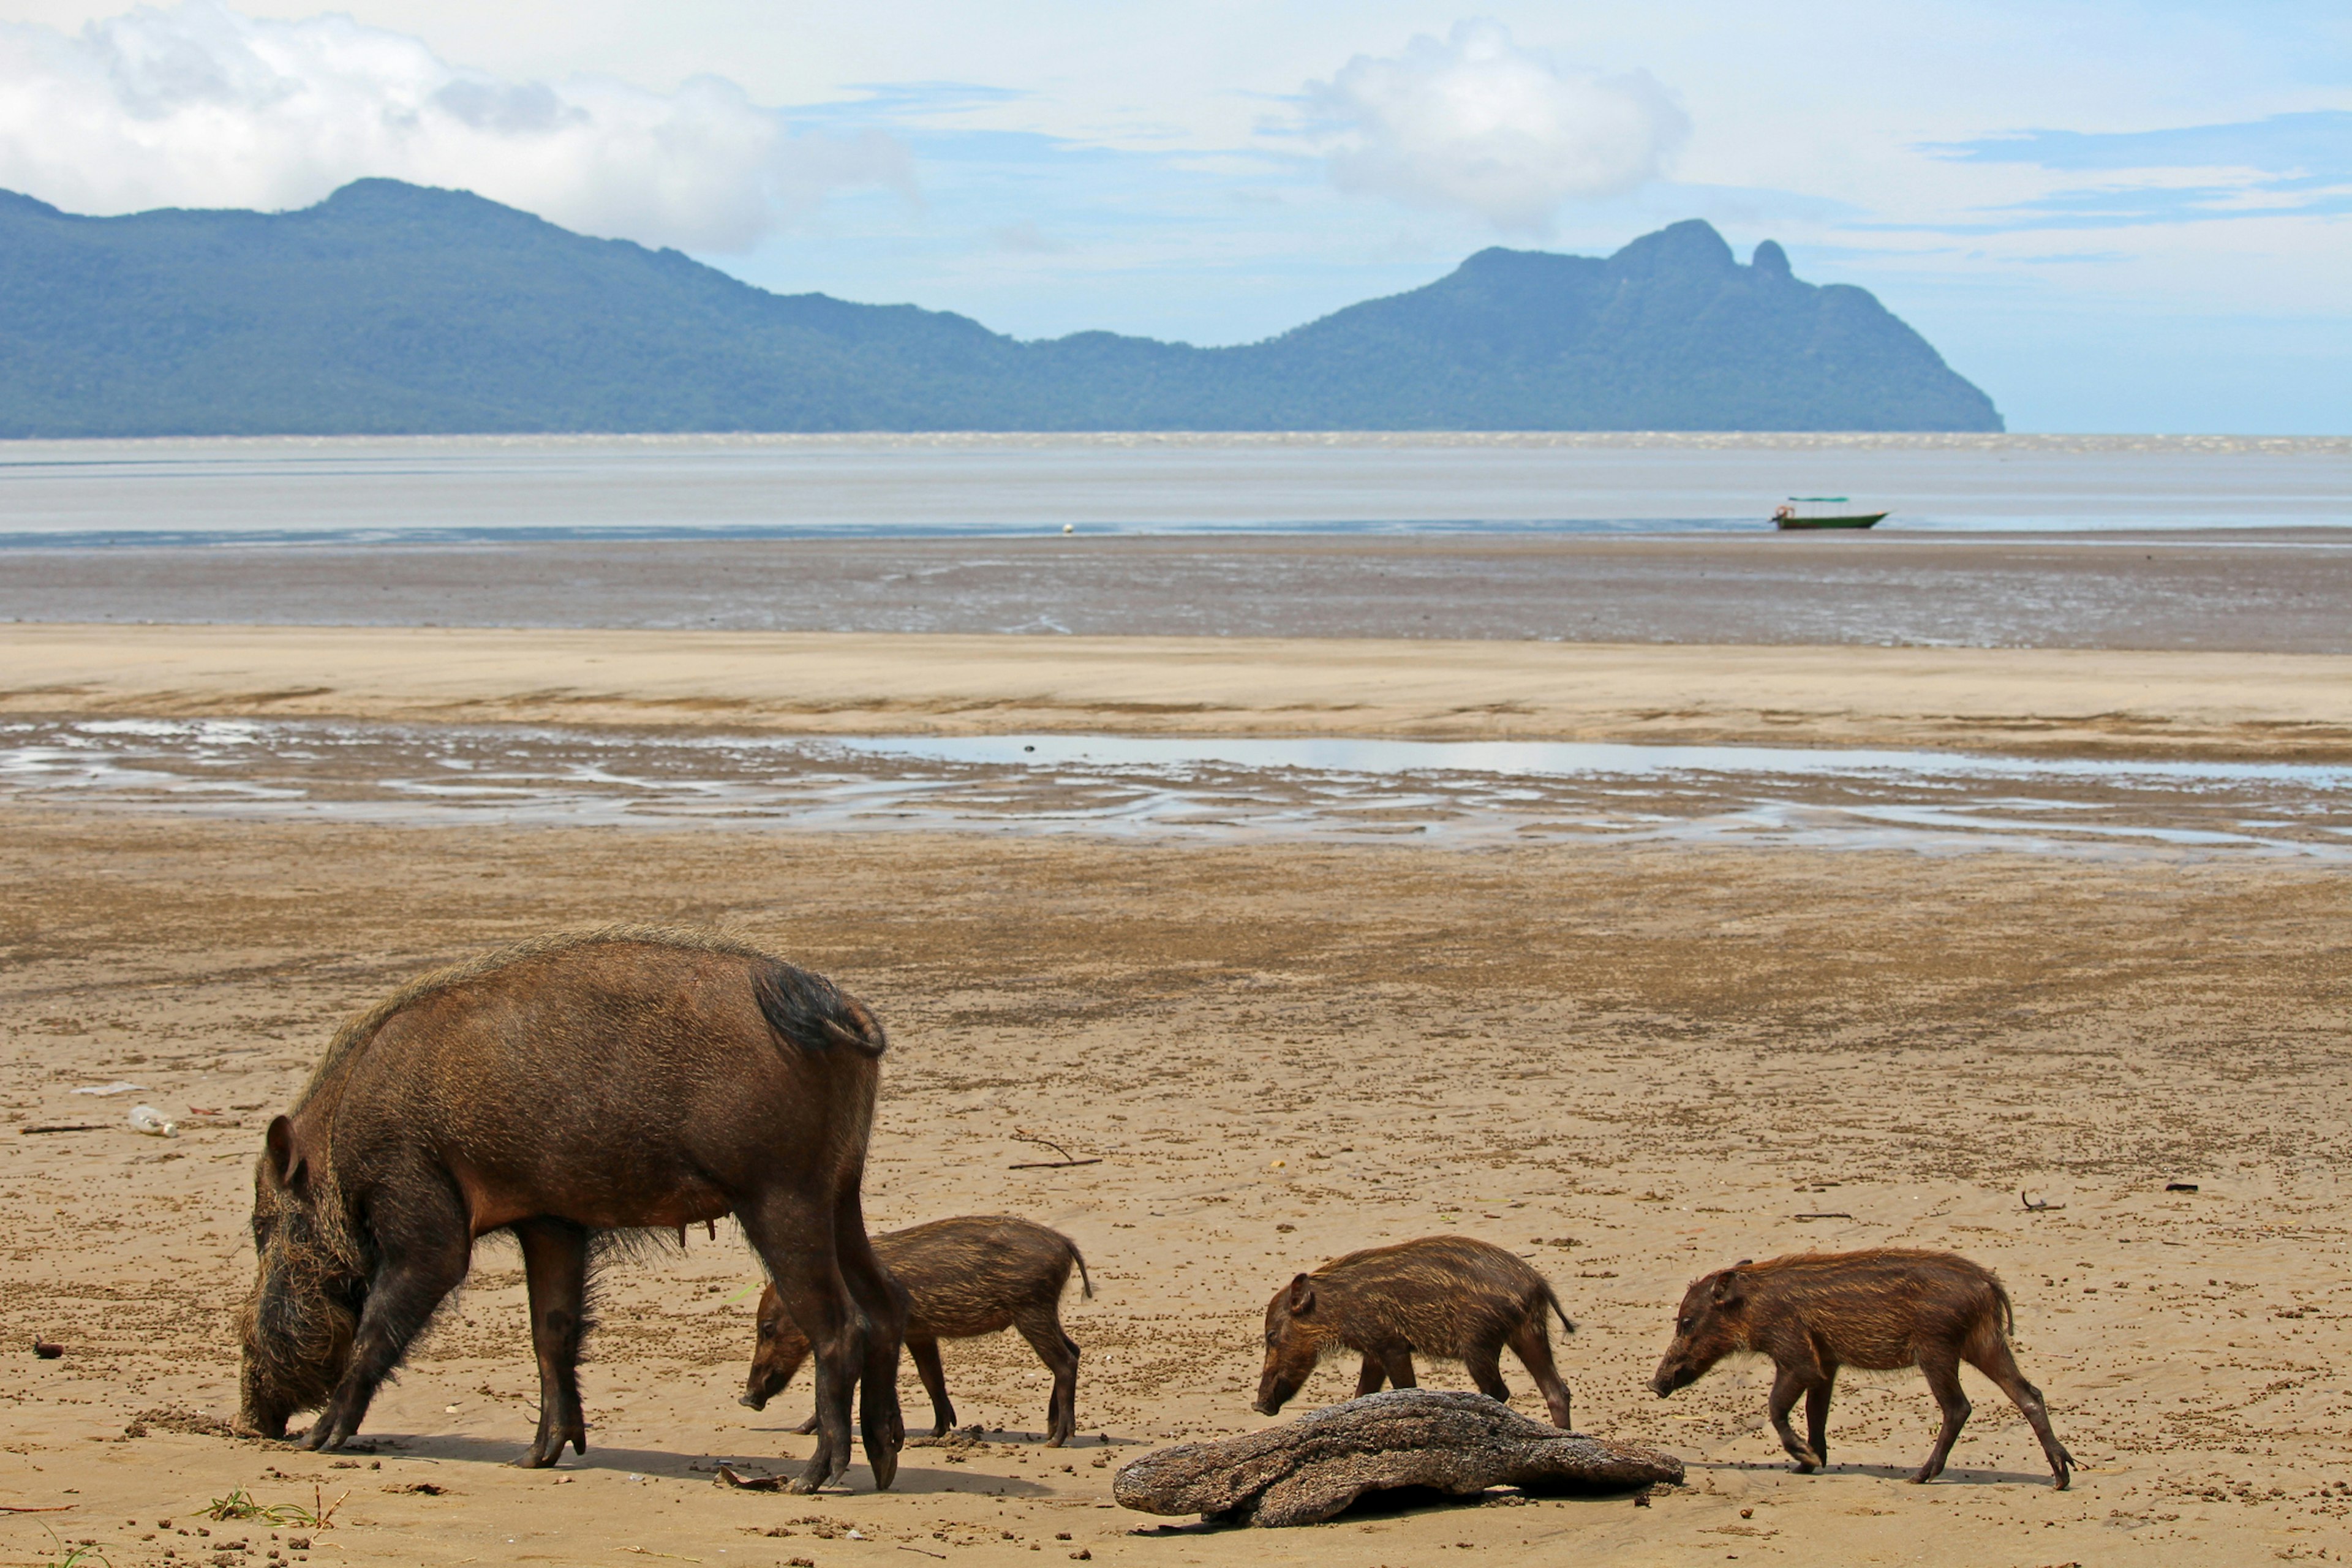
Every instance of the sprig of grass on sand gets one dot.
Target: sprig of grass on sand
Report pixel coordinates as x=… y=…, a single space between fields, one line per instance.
x=241 y=1504
x=76 y=1556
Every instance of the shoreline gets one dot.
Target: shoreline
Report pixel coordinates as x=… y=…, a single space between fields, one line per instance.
x=2101 y=704
x=1754 y=440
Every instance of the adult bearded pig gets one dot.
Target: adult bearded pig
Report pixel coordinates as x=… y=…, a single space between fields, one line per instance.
x=564 y=1089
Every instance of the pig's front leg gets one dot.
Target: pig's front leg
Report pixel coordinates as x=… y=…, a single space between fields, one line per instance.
x=1787 y=1384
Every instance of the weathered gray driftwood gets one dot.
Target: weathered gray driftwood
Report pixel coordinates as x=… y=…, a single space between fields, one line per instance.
x=1306 y=1471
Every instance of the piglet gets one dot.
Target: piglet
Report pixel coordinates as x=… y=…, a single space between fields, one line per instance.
x=1444 y=1296
x=1878 y=1309
x=966 y=1277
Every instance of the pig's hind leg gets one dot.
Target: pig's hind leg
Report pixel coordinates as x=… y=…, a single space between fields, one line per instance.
x=924 y=1353
x=1060 y=1355
x=1942 y=1368
x=555 y=1264
x=883 y=1303
x=1996 y=1362
x=795 y=1239
x=1531 y=1342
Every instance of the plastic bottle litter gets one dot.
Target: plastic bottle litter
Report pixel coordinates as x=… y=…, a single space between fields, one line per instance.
x=154 y=1123
x=119 y=1086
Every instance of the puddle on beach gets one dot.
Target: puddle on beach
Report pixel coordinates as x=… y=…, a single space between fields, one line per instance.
x=1454 y=793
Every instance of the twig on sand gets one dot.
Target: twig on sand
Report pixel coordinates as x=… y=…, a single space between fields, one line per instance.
x=22 y=1508
x=673 y=1556
x=65 y=1127
x=1839 y=1213
x=1023 y=1135
x=2044 y=1206
x=941 y=1555
x=729 y=1476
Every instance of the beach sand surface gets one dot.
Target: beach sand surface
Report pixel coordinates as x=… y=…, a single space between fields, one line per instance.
x=1628 y=1063
x=2054 y=701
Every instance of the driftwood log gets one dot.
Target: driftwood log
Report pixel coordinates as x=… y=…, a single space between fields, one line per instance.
x=1313 y=1468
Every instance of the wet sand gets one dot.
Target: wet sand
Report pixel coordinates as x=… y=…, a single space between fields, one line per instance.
x=2077 y=702
x=1201 y=788
x=1629 y=1063
x=2276 y=591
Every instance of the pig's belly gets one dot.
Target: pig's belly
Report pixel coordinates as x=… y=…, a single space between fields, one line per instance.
x=1877 y=1352
x=495 y=1198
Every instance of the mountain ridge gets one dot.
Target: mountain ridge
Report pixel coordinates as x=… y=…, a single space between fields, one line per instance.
x=397 y=309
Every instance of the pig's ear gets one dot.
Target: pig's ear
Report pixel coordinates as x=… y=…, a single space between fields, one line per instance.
x=1729 y=1289
x=1302 y=1295
x=287 y=1166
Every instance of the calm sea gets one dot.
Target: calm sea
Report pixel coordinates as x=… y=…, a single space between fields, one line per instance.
x=63 y=493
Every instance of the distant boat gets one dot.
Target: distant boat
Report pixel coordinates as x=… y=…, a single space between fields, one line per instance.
x=1802 y=511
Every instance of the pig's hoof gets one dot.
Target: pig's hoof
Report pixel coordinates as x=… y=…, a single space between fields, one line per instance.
x=821 y=1472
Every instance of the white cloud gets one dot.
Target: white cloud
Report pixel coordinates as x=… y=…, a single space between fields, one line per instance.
x=1476 y=123
x=200 y=106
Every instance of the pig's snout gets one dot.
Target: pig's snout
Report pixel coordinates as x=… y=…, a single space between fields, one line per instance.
x=751 y=1400
x=1671 y=1378
x=1274 y=1391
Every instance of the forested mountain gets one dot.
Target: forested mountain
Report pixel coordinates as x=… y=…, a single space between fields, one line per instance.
x=391 y=308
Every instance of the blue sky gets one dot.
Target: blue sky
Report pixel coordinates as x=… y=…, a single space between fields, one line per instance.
x=2112 y=217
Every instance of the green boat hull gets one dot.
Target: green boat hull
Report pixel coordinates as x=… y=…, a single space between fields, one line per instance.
x=1865 y=520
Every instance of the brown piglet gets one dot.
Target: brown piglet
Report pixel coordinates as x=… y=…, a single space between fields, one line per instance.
x=1444 y=1296
x=967 y=1277
x=1878 y=1309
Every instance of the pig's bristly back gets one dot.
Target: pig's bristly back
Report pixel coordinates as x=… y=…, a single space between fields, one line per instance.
x=357 y=1032
x=1877 y=1307
x=1441 y=1294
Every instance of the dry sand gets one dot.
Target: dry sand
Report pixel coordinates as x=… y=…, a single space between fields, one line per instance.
x=1631 y=1064
x=2056 y=701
